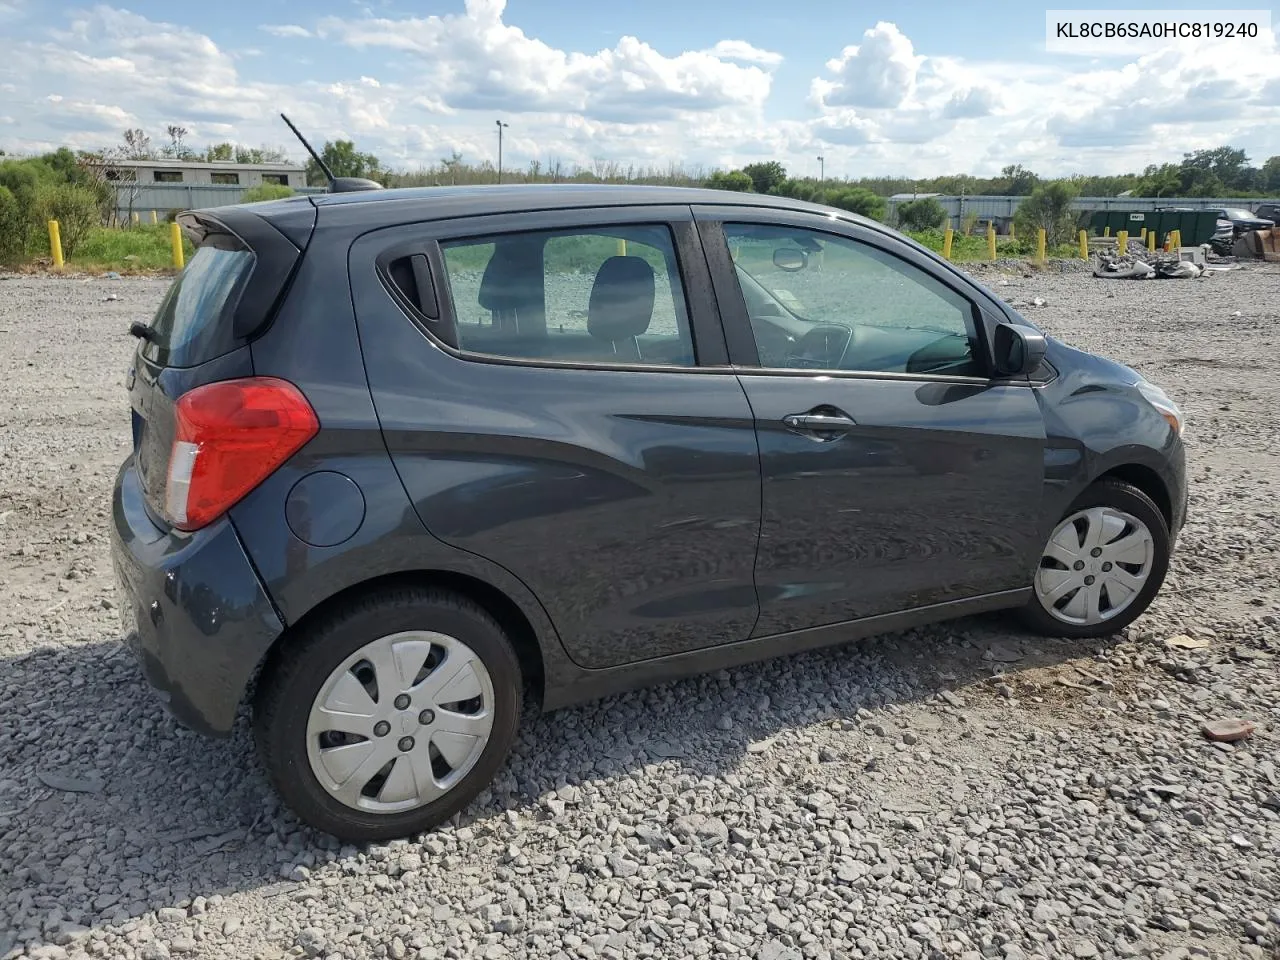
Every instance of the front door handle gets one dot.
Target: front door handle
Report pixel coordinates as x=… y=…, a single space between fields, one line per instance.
x=819 y=423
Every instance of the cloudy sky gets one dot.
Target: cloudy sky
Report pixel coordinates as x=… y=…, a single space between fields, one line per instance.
x=894 y=88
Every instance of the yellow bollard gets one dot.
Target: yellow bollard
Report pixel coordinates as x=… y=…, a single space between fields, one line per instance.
x=1106 y=231
x=1013 y=231
x=1151 y=240
x=55 y=243
x=946 y=243
x=1122 y=242
x=1177 y=239
x=1040 y=245
x=175 y=237
x=137 y=218
x=991 y=241
x=1142 y=235
x=1084 y=244
x=622 y=248
x=154 y=218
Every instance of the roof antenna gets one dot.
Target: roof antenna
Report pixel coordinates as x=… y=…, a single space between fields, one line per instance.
x=336 y=184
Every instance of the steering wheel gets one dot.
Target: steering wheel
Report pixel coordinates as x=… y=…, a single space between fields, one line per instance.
x=822 y=347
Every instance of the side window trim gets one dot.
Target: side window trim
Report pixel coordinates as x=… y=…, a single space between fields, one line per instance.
x=733 y=308
x=705 y=328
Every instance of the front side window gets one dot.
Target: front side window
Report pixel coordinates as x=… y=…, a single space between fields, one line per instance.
x=821 y=301
x=597 y=295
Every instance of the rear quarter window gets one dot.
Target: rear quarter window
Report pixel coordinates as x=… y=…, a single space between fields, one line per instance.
x=194 y=321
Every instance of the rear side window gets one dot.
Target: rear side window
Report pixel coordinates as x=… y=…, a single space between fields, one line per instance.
x=604 y=295
x=194 y=322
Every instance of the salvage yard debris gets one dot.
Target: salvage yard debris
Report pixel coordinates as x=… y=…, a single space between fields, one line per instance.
x=1136 y=266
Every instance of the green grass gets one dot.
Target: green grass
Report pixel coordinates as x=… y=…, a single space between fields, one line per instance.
x=140 y=249
x=969 y=248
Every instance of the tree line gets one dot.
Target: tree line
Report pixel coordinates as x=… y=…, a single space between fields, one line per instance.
x=71 y=187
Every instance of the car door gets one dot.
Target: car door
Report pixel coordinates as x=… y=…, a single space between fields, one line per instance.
x=555 y=394
x=896 y=472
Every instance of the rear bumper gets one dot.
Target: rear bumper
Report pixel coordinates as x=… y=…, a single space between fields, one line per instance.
x=196 y=613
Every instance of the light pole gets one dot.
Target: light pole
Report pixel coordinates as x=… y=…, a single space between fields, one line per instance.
x=822 y=170
x=500 y=126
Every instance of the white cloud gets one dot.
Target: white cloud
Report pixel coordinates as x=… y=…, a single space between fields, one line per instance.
x=970 y=103
x=741 y=50
x=413 y=89
x=477 y=61
x=900 y=111
x=286 y=30
x=880 y=72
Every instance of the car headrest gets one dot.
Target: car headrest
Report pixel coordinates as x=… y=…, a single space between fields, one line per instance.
x=621 y=304
x=504 y=285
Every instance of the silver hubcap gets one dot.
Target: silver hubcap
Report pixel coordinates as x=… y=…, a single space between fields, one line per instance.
x=400 y=722
x=1094 y=566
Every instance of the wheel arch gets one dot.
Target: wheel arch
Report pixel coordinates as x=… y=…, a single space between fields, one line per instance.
x=1149 y=482
x=510 y=616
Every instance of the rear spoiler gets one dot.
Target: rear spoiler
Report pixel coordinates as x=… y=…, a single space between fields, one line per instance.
x=275 y=254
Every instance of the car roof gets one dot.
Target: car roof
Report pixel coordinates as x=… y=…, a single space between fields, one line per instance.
x=440 y=203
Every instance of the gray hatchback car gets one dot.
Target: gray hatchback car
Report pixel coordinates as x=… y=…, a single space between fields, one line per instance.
x=400 y=456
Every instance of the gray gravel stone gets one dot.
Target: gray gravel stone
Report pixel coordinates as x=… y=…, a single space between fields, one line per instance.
x=937 y=793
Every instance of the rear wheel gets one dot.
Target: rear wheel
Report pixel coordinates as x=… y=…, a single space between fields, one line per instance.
x=390 y=715
x=1103 y=564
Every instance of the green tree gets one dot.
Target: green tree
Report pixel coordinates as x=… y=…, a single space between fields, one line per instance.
x=923 y=214
x=807 y=190
x=216 y=152
x=344 y=160
x=21 y=180
x=1225 y=166
x=1160 y=181
x=765 y=176
x=857 y=200
x=1048 y=207
x=737 y=180
x=13 y=228
x=1270 y=179
x=263 y=155
x=266 y=191
x=136 y=145
x=1015 y=180
x=78 y=209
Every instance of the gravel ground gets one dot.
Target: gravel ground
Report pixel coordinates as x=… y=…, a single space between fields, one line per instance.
x=957 y=791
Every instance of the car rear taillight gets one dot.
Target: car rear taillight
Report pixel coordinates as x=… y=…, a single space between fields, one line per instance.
x=228 y=438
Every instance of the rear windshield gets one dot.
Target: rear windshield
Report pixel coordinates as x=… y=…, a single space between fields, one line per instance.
x=1237 y=214
x=194 y=322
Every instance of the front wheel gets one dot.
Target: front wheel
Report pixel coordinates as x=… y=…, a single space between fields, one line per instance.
x=389 y=716
x=1103 y=565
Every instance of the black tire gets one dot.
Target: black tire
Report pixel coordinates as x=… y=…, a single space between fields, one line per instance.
x=292 y=680
x=1120 y=496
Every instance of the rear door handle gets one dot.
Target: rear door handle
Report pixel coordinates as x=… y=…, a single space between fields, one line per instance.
x=818 y=423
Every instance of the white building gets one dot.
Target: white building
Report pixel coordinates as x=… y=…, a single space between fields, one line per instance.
x=221 y=173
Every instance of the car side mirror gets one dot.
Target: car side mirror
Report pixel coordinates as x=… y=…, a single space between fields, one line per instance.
x=1017 y=349
x=790 y=259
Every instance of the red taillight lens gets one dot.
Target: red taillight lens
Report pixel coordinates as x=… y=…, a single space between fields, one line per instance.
x=229 y=437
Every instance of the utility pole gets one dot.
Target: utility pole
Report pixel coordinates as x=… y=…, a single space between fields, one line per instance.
x=822 y=170
x=500 y=127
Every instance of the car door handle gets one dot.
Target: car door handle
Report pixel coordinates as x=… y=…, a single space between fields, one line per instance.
x=818 y=423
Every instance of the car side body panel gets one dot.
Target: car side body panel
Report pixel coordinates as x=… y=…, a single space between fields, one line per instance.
x=627 y=500
x=1096 y=422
